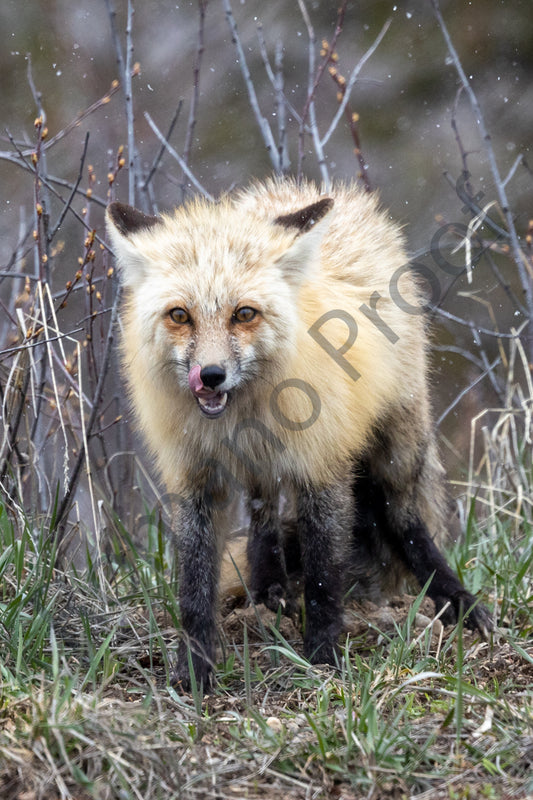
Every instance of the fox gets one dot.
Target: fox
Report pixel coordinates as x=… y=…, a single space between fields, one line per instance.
x=275 y=345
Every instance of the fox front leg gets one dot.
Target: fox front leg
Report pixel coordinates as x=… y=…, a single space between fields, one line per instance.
x=199 y=568
x=324 y=524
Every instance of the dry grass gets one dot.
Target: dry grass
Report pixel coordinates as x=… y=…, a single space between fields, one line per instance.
x=415 y=710
x=88 y=612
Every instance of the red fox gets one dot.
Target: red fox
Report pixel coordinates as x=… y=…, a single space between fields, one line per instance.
x=274 y=341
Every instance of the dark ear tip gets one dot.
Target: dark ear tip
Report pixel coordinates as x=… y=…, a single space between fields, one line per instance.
x=304 y=219
x=113 y=208
x=127 y=219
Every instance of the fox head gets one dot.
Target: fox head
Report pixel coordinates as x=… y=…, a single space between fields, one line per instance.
x=213 y=292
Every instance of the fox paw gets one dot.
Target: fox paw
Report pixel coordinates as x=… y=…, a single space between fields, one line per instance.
x=273 y=596
x=321 y=651
x=181 y=679
x=464 y=604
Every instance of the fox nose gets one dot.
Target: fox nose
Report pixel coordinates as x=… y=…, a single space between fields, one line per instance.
x=212 y=376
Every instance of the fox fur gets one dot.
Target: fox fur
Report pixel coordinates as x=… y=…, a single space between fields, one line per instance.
x=274 y=341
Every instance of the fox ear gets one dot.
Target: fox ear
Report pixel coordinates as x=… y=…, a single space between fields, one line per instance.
x=307 y=217
x=127 y=219
x=299 y=260
x=122 y=222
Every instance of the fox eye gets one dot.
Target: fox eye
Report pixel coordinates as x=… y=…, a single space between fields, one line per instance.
x=244 y=314
x=179 y=315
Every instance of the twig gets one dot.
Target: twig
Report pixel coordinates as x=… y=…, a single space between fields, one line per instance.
x=465 y=391
x=177 y=156
x=468 y=323
x=504 y=283
x=126 y=72
x=19 y=252
x=48 y=181
x=283 y=104
x=202 y=6
x=12 y=425
x=115 y=38
x=8 y=315
x=73 y=191
x=464 y=155
x=331 y=49
x=518 y=161
x=9 y=274
x=273 y=76
x=309 y=108
x=450 y=348
x=488 y=368
x=353 y=77
x=525 y=278
x=352 y=120
x=281 y=116
x=162 y=149
x=76 y=122
x=37 y=96
x=51 y=179
x=264 y=127
x=471 y=202
x=64 y=507
x=19 y=348
x=130 y=119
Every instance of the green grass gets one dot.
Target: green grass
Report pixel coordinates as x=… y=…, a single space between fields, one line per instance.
x=87 y=710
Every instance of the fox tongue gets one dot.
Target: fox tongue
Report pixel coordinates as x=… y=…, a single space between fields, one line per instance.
x=197 y=386
x=195 y=382
x=211 y=400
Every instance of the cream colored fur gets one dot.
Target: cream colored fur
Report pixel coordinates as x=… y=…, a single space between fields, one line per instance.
x=213 y=257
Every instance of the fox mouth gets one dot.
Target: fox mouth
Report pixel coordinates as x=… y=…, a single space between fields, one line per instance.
x=211 y=401
x=212 y=404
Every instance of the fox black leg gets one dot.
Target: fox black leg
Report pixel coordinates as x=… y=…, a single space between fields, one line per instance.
x=198 y=573
x=323 y=523
x=265 y=553
x=400 y=486
x=424 y=559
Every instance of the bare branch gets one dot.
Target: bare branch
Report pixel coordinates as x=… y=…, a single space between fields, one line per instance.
x=510 y=175
x=73 y=125
x=331 y=49
x=526 y=278
x=264 y=127
x=19 y=348
x=273 y=76
x=468 y=323
x=281 y=105
x=177 y=156
x=353 y=77
x=202 y=7
x=467 y=389
x=130 y=117
x=162 y=149
x=309 y=108
x=115 y=38
x=74 y=189
x=64 y=507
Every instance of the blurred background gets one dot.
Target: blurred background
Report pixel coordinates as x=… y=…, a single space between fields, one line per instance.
x=416 y=134
x=404 y=96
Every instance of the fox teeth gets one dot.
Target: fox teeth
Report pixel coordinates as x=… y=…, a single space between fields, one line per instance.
x=213 y=405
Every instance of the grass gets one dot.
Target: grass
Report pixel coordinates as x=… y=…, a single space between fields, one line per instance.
x=87 y=636
x=87 y=710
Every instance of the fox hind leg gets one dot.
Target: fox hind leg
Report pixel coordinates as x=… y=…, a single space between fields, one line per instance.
x=401 y=483
x=268 y=581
